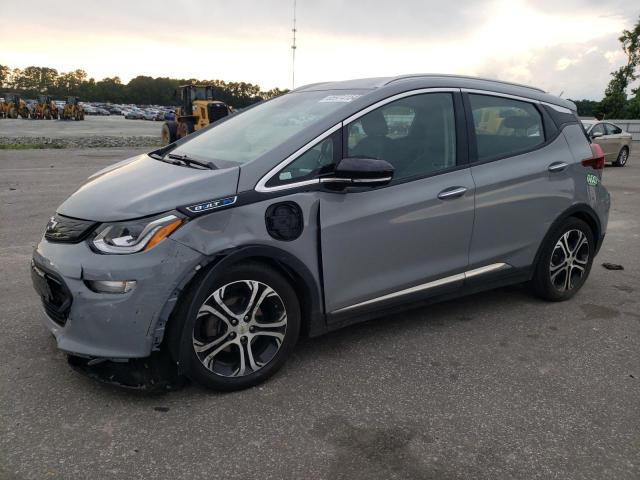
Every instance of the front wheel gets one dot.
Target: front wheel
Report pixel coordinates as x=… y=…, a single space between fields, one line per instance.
x=239 y=328
x=623 y=156
x=565 y=261
x=168 y=133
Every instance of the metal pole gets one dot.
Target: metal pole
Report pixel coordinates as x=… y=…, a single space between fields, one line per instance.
x=293 y=49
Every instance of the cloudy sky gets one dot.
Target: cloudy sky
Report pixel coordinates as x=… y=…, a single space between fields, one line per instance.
x=565 y=46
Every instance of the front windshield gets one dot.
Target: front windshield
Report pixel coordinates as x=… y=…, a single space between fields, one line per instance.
x=246 y=136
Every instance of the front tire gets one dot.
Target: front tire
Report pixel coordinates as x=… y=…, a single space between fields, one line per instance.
x=623 y=156
x=168 y=133
x=239 y=327
x=565 y=261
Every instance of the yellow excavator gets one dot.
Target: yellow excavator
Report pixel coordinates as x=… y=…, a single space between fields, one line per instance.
x=13 y=106
x=72 y=110
x=197 y=110
x=45 y=108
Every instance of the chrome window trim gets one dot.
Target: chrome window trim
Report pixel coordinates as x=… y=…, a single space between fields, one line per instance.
x=261 y=185
x=426 y=286
x=516 y=97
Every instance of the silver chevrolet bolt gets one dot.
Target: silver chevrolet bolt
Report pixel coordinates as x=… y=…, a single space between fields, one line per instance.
x=326 y=206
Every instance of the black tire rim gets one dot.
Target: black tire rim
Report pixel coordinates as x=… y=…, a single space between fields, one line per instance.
x=569 y=260
x=239 y=328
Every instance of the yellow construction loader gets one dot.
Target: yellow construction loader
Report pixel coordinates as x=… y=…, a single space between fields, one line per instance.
x=72 y=110
x=45 y=108
x=197 y=110
x=13 y=106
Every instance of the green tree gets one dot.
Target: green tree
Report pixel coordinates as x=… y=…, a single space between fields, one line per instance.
x=614 y=103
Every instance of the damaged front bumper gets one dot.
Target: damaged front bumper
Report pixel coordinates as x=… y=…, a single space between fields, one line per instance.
x=94 y=325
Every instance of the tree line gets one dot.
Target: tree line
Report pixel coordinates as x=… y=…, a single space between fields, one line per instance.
x=141 y=90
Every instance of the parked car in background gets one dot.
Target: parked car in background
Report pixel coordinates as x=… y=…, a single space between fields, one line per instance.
x=315 y=210
x=615 y=142
x=170 y=115
x=89 y=110
x=134 y=115
x=149 y=114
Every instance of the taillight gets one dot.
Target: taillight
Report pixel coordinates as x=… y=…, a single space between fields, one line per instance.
x=597 y=158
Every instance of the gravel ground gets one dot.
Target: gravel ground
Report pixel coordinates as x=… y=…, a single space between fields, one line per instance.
x=495 y=385
x=92 y=132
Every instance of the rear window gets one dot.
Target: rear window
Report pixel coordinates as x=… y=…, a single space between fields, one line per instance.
x=505 y=127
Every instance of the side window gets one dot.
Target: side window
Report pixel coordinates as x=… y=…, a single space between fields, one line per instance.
x=504 y=126
x=415 y=134
x=613 y=130
x=310 y=164
x=599 y=128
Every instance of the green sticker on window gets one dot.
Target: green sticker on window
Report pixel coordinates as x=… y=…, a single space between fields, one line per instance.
x=592 y=179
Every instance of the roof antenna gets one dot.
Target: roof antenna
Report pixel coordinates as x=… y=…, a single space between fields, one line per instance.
x=293 y=49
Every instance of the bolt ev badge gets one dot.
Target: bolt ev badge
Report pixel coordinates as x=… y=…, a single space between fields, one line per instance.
x=211 y=205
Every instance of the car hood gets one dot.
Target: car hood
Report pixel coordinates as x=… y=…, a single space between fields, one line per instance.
x=142 y=186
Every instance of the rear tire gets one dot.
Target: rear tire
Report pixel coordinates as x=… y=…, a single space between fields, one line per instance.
x=168 y=133
x=565 y=261
x=238 y=328
x=623 y=156
x=184 y=128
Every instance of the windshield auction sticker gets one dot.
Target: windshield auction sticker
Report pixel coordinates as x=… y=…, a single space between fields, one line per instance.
x=339 y=98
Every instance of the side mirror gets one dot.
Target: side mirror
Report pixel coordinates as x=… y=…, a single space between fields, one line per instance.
x=362 y=172
x=596 y=134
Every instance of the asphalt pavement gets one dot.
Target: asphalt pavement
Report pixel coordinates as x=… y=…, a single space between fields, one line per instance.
x=490 y=386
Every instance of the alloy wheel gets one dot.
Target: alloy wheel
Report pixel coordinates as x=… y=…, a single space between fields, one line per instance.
x=239 y=328
x=569 y=260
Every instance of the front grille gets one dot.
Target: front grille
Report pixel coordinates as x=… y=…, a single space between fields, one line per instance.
x=67 y=229
x=56 y=297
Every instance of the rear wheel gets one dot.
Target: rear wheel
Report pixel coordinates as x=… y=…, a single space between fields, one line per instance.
x=239 y=328
x=623 y=156
x=168 y=133
x=185 y=127
x=565 y=261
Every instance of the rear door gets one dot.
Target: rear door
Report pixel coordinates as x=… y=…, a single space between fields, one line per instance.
x=600 y=136
x=615 y=140
x=521 y=168
x=409 y=238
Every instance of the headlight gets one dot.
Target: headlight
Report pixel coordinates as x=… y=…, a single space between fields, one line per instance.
x=135 y=235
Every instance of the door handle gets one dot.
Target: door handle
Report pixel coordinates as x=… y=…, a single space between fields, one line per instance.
x=557 y=166
x=452 y=192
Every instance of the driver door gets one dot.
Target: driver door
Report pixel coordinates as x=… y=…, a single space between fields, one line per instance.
x=386 y=245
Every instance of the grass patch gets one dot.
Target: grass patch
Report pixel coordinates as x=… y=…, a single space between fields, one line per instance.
x=28 y=146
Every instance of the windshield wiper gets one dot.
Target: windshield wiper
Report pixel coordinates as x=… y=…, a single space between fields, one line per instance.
x=191 y=161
